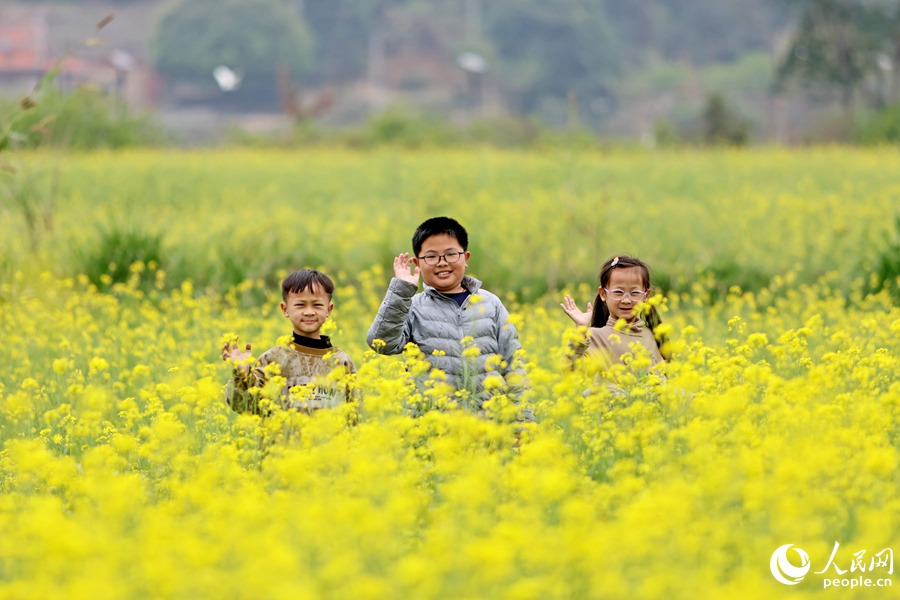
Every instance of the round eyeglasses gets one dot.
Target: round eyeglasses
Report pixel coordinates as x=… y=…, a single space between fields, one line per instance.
x=618 y=294
x=433 y=259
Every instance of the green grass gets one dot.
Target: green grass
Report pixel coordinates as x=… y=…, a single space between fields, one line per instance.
x=537 y=221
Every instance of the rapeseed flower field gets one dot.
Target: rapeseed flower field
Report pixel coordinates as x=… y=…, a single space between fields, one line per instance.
x=123 y=473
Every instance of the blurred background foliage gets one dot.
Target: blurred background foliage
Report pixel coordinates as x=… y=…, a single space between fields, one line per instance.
x=97 y=216
x=81 y=119
x=785 y=71
x=193 y=38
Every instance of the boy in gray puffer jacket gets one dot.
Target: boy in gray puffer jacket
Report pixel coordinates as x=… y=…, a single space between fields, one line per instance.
x=452 y=307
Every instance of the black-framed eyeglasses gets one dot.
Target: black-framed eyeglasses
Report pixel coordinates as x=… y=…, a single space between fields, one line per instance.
x=433 y=259
x=618 y=294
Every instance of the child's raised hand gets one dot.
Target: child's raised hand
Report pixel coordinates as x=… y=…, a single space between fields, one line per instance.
x=231 y=353
x=582 y=319
x=401 y=269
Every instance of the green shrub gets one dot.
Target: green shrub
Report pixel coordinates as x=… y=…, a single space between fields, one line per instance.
x=109 y=261
x=82 y=119
x=887 y=272
x=664 y=135
x=719 y=276
x=722 y=124
x=400 y=125
x=883 y=128
x=728 y=273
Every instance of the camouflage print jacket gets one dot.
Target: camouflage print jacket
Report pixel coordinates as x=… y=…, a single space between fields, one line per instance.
x=299 y=365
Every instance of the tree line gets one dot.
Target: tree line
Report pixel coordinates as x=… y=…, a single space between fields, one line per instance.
x=847 y=47
x=539 y=51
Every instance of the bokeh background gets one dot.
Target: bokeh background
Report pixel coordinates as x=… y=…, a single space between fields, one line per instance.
x=507 y=72
x=163 y=165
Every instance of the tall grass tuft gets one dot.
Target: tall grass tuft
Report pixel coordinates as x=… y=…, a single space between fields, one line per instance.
x=111 y=258
x=887 y=272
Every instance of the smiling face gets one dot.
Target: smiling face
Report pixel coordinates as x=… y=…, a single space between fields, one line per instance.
x=627 y=280
x=445 y=277
x=307 y=311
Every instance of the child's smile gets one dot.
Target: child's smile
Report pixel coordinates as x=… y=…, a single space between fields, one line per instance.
x=619 y=294
x=307 y=311
x=448 y=263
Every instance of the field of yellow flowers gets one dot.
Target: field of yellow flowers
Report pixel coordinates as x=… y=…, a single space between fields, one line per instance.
x=123 y=474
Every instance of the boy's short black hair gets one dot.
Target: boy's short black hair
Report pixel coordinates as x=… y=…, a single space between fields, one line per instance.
x=300 y=280
x=437 y=226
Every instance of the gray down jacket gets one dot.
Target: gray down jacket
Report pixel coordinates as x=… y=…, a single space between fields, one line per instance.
x=433 y=321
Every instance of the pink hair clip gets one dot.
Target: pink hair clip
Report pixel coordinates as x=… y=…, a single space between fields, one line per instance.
x=615 y=262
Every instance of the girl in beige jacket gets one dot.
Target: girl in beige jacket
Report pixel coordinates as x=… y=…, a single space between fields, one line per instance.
x=624 y=283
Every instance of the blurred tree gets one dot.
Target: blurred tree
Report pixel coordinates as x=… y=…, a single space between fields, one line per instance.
x=721 y=125
x=374 y=13
x=699 y=31
x=664 y=135
x=833 y=46
x=252 y=37
x=341 y=48
x=883 y=22
x=881 y=128
x=352 y=37
x=545 y=48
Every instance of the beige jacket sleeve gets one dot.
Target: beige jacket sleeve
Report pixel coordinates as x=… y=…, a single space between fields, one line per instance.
x=237 y=393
